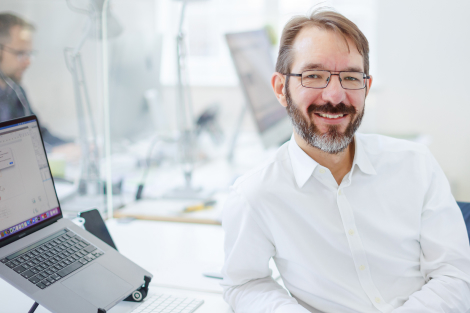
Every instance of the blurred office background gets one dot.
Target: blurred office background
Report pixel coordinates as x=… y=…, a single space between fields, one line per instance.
x=419 y=60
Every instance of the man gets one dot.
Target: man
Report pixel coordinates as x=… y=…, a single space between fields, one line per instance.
x=15 y=58
x=355 y=223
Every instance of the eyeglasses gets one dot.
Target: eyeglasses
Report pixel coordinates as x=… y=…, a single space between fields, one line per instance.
x=21 y=55
x=319 y=79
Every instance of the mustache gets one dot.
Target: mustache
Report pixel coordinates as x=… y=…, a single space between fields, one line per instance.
x=329 y=108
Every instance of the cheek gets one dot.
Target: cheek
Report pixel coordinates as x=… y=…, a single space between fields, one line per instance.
x=303 y=97
x=357 y=100
x=10 y=62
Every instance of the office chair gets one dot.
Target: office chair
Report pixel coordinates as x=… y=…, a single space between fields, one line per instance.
x=465 y=208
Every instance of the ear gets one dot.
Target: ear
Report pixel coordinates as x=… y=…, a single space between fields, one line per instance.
x=278 y=82
x=368 y=85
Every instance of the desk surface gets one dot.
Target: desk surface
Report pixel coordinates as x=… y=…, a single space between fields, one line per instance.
x=175 y=253
x=16 y=302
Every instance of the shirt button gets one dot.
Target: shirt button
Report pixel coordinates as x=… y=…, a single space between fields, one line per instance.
x=322 y=171
x=362 y=267
x=340 y=192
x=351 y=232
x=377 y=299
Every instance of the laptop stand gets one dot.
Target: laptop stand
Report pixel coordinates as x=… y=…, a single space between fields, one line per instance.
x=141 y=293
x=137 y=296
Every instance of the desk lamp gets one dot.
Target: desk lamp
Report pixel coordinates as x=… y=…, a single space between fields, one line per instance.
x=185 y=120
x=90 y=161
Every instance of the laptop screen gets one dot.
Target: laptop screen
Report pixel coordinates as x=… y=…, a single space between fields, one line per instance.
x=27 y=194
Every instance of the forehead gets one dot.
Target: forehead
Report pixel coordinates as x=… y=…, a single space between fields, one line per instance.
x=20 y=36
x=326 y=49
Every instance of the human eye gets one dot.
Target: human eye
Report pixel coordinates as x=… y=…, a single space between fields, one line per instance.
x=313 y=75
x=352 y=76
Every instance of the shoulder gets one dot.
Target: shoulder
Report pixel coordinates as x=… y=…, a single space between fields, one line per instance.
x=391 y=156
x=384 y=145
x=253 y=194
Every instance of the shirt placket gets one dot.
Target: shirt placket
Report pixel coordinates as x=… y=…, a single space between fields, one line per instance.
x=358 y=252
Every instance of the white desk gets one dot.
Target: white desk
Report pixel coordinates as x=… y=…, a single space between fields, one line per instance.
x=176 y=254
x=15 y=302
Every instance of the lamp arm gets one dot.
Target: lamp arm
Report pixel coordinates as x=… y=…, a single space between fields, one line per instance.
x=75 y=9
x=84 y=37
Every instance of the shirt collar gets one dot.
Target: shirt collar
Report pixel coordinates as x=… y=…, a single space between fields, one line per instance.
x=361 y=159
x=303 y=165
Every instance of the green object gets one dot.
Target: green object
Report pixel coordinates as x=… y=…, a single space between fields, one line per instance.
x=271 y=34
x=57 y=167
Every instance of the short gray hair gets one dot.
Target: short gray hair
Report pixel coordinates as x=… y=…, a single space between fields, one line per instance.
x=9 y=20
x=324 y=19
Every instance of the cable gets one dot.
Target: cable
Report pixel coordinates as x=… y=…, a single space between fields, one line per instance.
x=152 y=145
x=140 y=188
x=34 y=307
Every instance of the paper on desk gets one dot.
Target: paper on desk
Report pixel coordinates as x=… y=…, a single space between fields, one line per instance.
x=172 y=210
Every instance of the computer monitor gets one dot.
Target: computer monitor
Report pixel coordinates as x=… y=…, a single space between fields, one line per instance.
x=251 y=54
x=134 y=71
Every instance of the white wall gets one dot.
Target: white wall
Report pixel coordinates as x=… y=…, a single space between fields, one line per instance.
x=424 y=63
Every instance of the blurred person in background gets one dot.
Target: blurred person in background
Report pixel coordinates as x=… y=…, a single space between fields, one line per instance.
x=15 y=57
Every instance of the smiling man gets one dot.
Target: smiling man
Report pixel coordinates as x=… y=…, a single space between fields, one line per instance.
x=355 y=223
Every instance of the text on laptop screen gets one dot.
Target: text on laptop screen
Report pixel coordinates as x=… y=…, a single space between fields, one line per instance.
x=27 y=194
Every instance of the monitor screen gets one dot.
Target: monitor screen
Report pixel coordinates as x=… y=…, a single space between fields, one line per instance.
x=27 y=194
x=251 y=54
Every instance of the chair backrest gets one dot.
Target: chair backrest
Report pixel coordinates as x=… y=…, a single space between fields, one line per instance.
x=465 y=208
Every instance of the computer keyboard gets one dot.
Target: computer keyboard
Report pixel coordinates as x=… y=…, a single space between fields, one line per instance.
x=168 y=304
x=52 y=258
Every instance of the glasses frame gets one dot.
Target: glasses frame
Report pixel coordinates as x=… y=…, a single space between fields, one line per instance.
x=20 y=55
x=329 y=79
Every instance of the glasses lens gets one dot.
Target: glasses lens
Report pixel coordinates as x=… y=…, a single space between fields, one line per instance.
x=25 y=55
x=352 y=80
x=20 y=54
x=315 y=79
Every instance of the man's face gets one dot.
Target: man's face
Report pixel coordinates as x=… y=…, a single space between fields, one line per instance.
x=10 y=64
x=308 y=108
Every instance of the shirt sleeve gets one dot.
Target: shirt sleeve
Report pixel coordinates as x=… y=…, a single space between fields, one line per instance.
x=445 y=252
x=247 y=282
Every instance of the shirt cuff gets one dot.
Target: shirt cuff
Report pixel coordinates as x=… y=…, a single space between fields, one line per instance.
x=292 y=308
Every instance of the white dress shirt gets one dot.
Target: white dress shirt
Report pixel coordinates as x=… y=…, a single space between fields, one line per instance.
x=389 y=238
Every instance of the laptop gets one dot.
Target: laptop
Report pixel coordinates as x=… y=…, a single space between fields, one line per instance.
x=47 y=257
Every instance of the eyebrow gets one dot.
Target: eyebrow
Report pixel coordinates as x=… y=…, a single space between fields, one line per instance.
x=312 y=66
x=319 y=66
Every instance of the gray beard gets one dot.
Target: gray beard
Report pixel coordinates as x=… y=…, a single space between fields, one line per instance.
x=333 y=141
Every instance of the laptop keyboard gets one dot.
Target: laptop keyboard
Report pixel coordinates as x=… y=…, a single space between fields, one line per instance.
x=168 y=304
x=52 y=258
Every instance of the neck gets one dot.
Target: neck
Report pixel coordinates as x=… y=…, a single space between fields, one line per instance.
x=339 y=164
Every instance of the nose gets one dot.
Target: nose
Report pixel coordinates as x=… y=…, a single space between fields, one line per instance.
x=334 y=93
x=26 y=61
